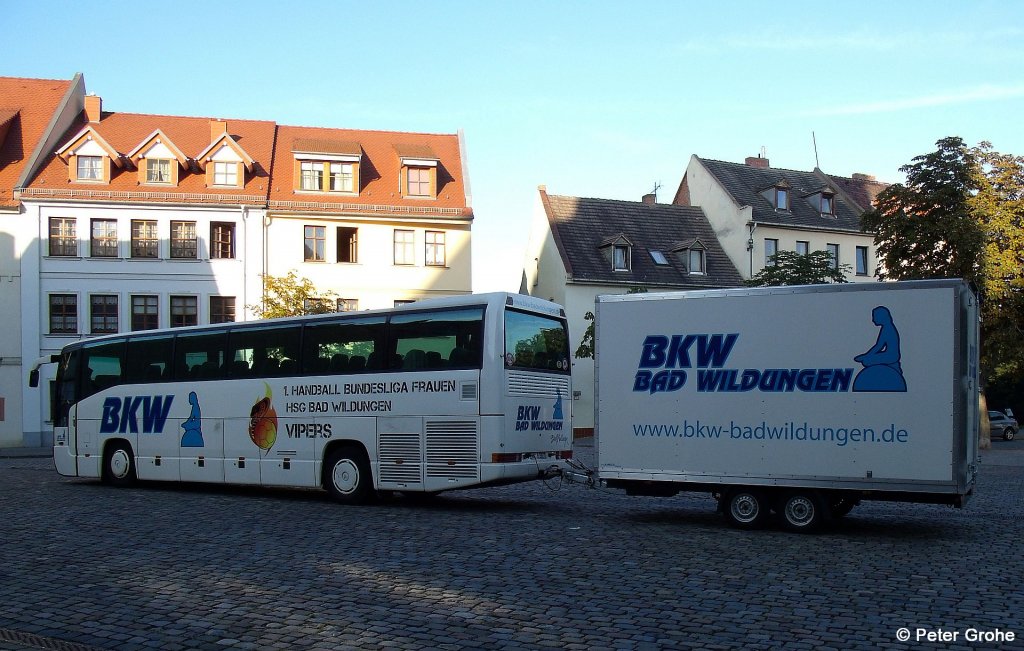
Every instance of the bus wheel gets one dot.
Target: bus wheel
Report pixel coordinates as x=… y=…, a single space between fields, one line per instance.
x=347 y=475
x=745 y=508
x=802 y=511
x=118 y=465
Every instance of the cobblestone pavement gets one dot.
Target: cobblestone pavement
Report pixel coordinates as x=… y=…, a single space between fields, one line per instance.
x=173 y=567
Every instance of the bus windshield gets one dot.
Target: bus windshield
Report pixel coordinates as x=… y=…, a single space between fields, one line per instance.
x=536 y=343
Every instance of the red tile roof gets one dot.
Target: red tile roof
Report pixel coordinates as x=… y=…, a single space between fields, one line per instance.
x=26 y=108
x=380 y=167
x=192 y=135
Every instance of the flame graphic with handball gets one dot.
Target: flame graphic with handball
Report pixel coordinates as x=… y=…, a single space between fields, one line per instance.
x=263 y=422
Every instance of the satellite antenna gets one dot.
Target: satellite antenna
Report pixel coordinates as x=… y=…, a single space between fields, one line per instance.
x=657 y=186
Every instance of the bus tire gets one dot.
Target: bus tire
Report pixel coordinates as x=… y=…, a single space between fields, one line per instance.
x=746 y=508
x=118 y=464
x=346 y=475
x=802 y=511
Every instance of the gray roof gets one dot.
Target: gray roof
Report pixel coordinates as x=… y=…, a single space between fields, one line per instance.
x=583 y=228
x=745 y=183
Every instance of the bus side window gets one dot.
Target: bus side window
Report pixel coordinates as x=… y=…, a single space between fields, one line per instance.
x=433 y=341
x=102 y=367
x=264 y=352
x=350 y=345
x=149 y=359
x=200 y=356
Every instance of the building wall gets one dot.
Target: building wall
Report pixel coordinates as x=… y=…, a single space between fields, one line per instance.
x=15 y=233
x=374 y=280
x=732 y=226
x=544 y=274
x=84 y=275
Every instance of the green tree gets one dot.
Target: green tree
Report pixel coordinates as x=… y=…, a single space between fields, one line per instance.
x=927 y=227
x=791 y=268
x=291 y=295
x=961 y=215
x=586 y=348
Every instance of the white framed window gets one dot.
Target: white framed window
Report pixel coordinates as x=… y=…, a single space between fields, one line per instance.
x=311 y=176
x=781 y=198
x=315 y=243
x=419 y=181
x=158 y=170
x=620 y=257
x=696 y=265
x=342 y=177
x=90 y=168
x=405 y=252
x=225 y=173
x=828 y=204
x=802 y=247
x=435 y=249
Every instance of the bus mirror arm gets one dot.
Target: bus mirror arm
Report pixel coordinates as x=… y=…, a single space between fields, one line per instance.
x=33 y=374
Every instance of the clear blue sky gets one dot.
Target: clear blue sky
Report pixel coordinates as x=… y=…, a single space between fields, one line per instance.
x=596 y=99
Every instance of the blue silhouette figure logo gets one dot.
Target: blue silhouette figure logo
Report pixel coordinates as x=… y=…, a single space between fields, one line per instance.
x=193 y=436
x=882 y=371
x=558 y=407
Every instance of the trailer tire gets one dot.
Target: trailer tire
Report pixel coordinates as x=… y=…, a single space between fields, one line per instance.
x=347 y=476
x=802 y=511
x=746 y=508
x=118 y=465
x=1008 y=434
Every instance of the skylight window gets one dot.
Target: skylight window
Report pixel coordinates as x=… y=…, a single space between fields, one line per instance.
x=659 y=258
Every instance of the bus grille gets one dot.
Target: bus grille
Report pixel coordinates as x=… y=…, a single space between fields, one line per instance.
x=537 y=384
x=400 y=458
x=452 y=449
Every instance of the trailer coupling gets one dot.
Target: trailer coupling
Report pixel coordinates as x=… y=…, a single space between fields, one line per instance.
x=576 y=472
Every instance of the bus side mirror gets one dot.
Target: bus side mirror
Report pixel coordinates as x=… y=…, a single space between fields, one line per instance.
x=33 y=378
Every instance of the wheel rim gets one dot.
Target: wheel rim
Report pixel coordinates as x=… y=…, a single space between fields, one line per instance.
x=345 y=476
x=120 y=464
x=744 y=508
x=799 y=511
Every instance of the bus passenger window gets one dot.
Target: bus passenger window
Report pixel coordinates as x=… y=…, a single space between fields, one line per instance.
x=265 y=351
x=433 y=341
x=149 y=359
x=348 y=345
x=200 y=356
x=103 y=366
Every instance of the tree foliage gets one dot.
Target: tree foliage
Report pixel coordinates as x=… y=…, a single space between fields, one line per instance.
x=586 y=348
x=291 y=295
x=961 y=215
x=791 y=268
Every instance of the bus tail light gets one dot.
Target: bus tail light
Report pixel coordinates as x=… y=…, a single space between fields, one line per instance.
x=506 y=457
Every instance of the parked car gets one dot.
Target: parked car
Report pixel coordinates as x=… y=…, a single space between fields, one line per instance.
x=1002 y=424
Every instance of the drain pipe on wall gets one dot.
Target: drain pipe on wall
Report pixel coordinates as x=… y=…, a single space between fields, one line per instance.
x=750 y=246
x=245 y=258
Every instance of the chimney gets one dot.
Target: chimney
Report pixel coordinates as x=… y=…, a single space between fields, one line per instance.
x=757 y=161
x=217 y=129
x=650 y=199
x=857 y=176
x=93 y=107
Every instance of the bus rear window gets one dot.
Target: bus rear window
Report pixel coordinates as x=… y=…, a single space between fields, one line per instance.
x=535 y=342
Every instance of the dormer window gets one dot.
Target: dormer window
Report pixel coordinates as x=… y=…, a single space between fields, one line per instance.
x=89 y=157
x=620 y=257
x=828 y=203
x=90 y=168
x=418 y=174
x=158 y=170
x=158 y=160
x=618 y=251
x=781 y=198
x=225 y=173
x=692 y=256
x=326 y=165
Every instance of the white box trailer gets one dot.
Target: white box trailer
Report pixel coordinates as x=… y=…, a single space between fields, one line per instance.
x=802 y=400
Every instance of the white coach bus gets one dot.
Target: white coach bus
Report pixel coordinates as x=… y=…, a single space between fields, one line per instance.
x=440 y=394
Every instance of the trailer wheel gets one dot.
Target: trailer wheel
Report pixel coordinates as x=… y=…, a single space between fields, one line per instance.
x=118 y=465
x=1008 y=434
x=802 y=511
x=745 y=508
x=346 y=475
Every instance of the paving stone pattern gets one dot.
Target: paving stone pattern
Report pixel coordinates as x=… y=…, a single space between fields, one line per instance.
x=531 y=566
